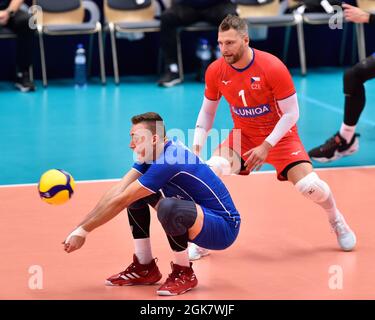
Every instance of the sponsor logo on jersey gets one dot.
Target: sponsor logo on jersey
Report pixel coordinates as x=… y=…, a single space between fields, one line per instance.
x=251 y=112
x=295 y=153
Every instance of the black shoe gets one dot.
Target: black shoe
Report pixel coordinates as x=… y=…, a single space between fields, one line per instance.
x=335 y=148
x=24 y=82
x=169 y=79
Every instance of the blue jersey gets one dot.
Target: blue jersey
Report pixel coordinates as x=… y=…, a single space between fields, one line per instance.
x=181 y=174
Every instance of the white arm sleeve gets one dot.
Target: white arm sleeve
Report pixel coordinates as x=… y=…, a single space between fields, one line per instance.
x=205 y=121
x=290 y=114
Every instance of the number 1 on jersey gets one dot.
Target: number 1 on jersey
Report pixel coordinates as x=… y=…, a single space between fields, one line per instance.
x=242 y=95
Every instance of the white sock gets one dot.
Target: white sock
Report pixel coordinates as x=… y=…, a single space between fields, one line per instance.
x=330 y=207
x=143 y=250
x=182 y=258
x=347 y=132
x=173 y=67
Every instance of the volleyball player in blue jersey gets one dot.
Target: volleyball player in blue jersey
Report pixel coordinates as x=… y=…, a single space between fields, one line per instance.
x=192 y=204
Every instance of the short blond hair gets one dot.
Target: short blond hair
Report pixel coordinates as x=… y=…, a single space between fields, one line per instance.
x=236 y=23
x=152 y=119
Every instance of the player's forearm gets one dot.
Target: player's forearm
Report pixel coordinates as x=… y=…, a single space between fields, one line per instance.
x=99 y=216
x=111 y=204
x=290 y=110
x=112 y=193
x=106 y=209
x=104 y=212
x=285 y=123
x=15 y=5
x=108 y=196
x=205 y=121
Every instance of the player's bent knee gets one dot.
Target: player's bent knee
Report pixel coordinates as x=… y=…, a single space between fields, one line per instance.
x=352 y=81
x=312 y=187
x=220 y=165
x=356 y=76
x=176 y=216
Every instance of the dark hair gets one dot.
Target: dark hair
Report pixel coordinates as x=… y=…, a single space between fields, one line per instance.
x=153 y=121
x=234 y=22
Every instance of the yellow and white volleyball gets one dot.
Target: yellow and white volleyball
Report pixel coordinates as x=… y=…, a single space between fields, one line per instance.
x=56 y=186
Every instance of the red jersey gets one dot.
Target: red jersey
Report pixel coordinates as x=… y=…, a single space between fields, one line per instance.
x=252 y=92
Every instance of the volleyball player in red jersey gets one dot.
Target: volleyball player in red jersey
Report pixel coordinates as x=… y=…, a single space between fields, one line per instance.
x=264 y=108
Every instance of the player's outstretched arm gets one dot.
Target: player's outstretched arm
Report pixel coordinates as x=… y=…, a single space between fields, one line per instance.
x=114 y=191
x=108 y=210
x=111 y=204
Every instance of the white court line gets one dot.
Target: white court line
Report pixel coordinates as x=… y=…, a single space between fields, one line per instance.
x=256 y=172
x=35 y=184
x=324 y=169
x=331 y=108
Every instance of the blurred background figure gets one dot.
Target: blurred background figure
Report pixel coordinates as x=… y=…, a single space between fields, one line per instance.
x=17 y=20
x=346 y=141
x=183 y=13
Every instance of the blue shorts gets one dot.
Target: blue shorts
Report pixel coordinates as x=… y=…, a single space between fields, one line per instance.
x=217 y=232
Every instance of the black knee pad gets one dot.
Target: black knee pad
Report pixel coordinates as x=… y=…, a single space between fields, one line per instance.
x=176 y=216
x=151 y=200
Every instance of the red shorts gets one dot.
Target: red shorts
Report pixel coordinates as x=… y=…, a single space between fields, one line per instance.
x=287 y=152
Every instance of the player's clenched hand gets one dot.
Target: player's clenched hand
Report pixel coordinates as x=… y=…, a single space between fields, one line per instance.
x=73 y=243
x=257 y=156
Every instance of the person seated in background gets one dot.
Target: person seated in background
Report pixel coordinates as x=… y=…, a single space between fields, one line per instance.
x=346 y=141
x=183 y=13
x=13 y=18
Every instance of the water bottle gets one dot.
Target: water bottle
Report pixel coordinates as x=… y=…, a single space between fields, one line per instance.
x=204 y=56
x=80 y=67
